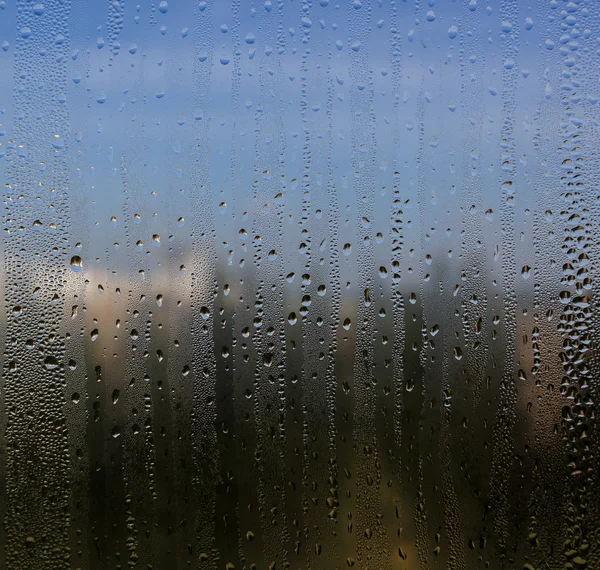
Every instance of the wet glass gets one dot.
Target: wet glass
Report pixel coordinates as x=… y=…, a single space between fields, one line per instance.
x=299 y=284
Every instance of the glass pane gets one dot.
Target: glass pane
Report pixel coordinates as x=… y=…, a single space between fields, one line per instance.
x=299 y=284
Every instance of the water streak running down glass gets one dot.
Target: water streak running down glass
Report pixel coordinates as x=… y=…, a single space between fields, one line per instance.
x=300 y=284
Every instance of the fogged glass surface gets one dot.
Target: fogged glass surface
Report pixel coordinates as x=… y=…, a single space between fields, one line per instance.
x=299 y=284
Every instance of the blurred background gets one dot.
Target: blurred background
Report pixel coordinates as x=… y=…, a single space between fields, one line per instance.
x=299 y=284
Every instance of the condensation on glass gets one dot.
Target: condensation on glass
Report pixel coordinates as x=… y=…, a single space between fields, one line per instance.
x=299 y=284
